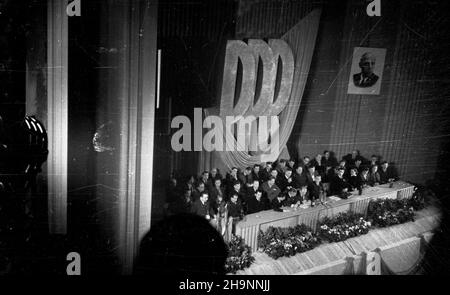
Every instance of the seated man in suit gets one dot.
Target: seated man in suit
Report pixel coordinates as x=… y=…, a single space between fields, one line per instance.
x=232 y=176
x=293 y=197
x=374 y=177
x=285 y=180
x=252 y=189
x=182 y=204
x=306 y=161
x=316 y=188
x=202 y=207
x=235 y=211
x=339 y=185
x=317 y=163
x=366 y=78
x=271 y=189
x=255 y=173
x=300 y=177
x=281 y=167
x=215 y=174
x=199 y=190
x=264 y=173
x=386 y=173
x=352 y=158
x=248 y=178
x=216 y=191
x=328 y=160
x=364 y=178
x=353 y=179
x=303 y=194
x=206 y=180
x=373 y=161
x=358 y=165
x=279 y=202
x=238 y=191
x=257 y=202
x=310 y=174
x=291 y=163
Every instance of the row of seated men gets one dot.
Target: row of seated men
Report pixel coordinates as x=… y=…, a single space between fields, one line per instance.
x=269 y=186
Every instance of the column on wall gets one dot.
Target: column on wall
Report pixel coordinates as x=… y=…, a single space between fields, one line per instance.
x=57 y=114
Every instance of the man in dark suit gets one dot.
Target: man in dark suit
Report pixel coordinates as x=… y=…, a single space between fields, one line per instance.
x=374 y=177
x=317 y=163
x=279 y=202
x=182 y=204
x=285 y=180
x=264 y=173
x=352 y=158
x=353 y=179
x=316 y=188
x=206 y=180
x=373 y=161
x=271 y=189
x=364 y=178
x=216 y=191
x=252 y=189
x=300 y=177
x=235 y=211
x=255 y=173
x=237 y=189
x=231 y=178
x=257 y=202
x=386 y=173
x=339 y=185
x=367 y=78
x=198 y=191
x=202 y=208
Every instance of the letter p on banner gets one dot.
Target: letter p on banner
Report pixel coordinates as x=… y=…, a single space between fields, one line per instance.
x=74 y=267
x=74 y=8
x=374 y=8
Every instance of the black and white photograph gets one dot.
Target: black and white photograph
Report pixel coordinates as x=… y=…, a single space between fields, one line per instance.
x=367 y=71
x=232 y=138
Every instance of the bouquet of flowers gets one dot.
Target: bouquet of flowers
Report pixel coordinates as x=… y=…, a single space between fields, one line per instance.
x=417 y=200
x=387 y=212
x=278 y=242
x=343 y=226
x=239 y=255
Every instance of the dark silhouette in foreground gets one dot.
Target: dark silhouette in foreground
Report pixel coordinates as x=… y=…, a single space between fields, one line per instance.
x=182 y=244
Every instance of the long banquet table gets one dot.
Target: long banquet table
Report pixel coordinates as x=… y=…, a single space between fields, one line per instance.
x=249 y=228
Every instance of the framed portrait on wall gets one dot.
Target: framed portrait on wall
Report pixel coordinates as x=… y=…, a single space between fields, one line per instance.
x=367 y=71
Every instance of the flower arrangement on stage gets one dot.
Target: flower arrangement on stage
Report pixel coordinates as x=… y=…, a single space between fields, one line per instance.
x=387 y=212
x=239 y=255
x=417 y=200
x=343 y=226
x=278 y=242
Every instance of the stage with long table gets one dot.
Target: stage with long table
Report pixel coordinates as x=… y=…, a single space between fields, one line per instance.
x=249 y=228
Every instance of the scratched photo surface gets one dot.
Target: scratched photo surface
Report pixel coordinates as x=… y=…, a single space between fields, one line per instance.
x=248 y=137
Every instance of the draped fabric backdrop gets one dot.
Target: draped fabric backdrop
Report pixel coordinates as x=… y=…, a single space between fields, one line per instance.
x=301 y=38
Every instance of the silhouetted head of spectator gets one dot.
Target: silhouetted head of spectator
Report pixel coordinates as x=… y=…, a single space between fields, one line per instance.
x=182 y=244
